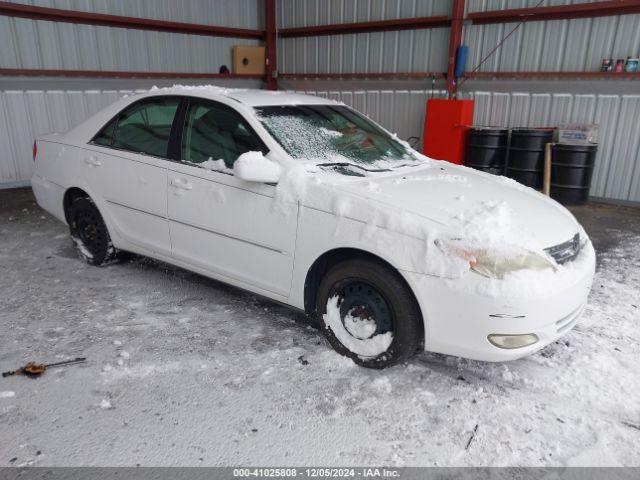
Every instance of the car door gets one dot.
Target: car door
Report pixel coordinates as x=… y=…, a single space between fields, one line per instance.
x=126 y=165
x=218 y=222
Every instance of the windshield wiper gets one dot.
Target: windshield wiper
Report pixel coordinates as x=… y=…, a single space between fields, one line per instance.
x=347 y=164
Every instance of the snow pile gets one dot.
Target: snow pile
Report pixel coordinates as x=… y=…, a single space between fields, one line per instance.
x=357 y=335
x=291 y=188
x=217 y=165
x=493 y=230
x=254 y=166
x=210 y=89
x=250 y=159
x=491 y=223
x=82 y=248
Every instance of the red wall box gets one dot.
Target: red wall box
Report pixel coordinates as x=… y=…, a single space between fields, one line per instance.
x=445 y=129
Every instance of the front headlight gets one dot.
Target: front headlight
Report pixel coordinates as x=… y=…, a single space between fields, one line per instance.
x=497 y=265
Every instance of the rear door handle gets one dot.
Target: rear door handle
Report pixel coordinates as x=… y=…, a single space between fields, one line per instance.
x=181 y=184
x=92 y=161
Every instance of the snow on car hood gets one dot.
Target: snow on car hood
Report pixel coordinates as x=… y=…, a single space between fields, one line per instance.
x=446 y=215
x=466 y=202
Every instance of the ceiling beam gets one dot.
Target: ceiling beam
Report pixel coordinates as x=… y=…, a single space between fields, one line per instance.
x=552 y=75
x=362 y=76
x=557 y=12
x=364 y=27
x=32 y=72
x=89 y=18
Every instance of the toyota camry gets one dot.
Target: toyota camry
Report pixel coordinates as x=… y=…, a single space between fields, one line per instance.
x=307 y=202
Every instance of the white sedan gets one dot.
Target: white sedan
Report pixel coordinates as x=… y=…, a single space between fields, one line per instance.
x=307 y=202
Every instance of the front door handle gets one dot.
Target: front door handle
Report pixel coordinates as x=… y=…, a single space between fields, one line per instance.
x=92 y=161
x=181 y=183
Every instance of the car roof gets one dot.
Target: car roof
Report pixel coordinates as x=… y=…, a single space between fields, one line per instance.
x=250 y=97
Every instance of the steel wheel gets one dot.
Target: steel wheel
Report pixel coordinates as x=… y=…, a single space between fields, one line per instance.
x=89 y=232
x=368 y=313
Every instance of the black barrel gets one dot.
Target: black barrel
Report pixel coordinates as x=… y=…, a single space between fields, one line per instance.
x=487 y=149
x=571 y=171
x=526 y=155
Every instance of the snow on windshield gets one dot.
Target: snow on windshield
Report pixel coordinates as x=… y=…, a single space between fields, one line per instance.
x=332 y=134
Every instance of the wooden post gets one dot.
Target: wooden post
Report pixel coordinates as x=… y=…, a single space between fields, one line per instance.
x=546 y=183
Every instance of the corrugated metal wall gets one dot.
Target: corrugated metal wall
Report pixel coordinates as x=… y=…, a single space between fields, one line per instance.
x=29 y=107
x=28 y=43
x=227 y=13
x=559 y=45
x=617 y=172
x=29 y=113
x=404 y=51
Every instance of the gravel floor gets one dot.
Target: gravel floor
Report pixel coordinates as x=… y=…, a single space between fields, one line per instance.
x=183 y=370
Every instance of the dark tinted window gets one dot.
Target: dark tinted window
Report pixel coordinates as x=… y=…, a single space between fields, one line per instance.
x=145 y=127
x=213 y=131
x=105 y=136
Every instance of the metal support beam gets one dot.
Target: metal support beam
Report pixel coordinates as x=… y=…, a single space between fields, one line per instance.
x=552 y=75
x=455 y=40
x=271 y=45
x=21 y=72
x=363 y=76
x=557 y=12
x=72 y=16
x=365 y=27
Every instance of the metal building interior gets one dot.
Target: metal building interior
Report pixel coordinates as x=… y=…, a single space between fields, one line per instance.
x=529 y=64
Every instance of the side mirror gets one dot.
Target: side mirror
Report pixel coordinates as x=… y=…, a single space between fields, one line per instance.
x=255 y=167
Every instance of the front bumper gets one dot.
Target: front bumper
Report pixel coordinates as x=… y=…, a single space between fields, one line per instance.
x=460 y=314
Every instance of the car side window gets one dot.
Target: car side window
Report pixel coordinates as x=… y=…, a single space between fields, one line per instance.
x=105 y=136
x=144 y=127
x=214 y=132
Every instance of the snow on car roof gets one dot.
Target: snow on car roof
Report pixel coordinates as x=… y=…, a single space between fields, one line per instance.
x=251 y=97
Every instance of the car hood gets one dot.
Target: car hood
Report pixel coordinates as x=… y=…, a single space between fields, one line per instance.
x=465 y=202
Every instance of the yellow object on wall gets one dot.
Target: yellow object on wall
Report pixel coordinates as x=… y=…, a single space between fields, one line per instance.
x=248 y=60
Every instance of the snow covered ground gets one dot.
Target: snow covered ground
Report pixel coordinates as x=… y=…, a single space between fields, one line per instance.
x=183 y=370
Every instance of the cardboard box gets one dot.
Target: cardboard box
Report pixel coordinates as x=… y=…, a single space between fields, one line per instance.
x=578 y=134
x=248 y=60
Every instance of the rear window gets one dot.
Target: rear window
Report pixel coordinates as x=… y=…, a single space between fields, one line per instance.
x=144 y=127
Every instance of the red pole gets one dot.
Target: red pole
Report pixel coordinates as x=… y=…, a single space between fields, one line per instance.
x=455 y=40
x=270 y=41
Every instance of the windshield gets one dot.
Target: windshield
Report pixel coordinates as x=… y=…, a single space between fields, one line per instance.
x=332 y=134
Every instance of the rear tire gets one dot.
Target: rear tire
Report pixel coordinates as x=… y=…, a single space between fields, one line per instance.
x=89 y=232
x=373 y=317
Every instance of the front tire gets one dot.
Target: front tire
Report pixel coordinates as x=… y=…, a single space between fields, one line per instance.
x=89 y=232
x=368 y=314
